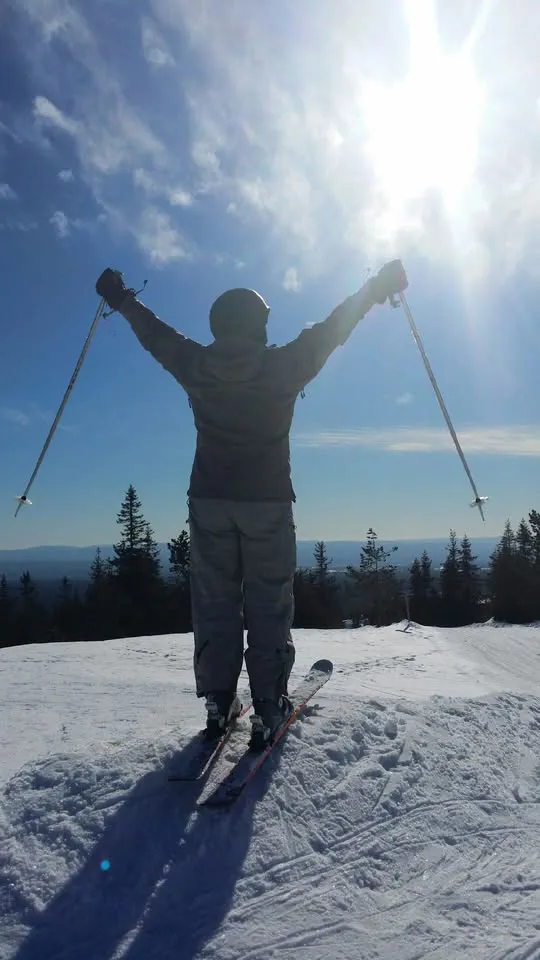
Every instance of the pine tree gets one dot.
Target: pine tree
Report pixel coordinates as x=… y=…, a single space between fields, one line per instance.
x=327 y=613
x=534 y=523
x=422 y=596
x=180 y=558
x=133 y=543
x=469 y=582
x=505 y=580
x=136 y=585
x=67 y=613
x=6 y=613
x=451 y=584
x=376 y=586
x=179 y=587
x=31 y=622
x=305 y=614
x=98 y=600
x=514 y=579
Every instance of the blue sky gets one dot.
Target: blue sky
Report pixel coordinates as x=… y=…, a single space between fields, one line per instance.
x=289 y=148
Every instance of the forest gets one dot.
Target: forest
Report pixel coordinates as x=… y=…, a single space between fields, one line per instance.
x=130 y=594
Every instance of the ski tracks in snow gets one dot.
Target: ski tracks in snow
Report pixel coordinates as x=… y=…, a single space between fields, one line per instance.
x=397 y=830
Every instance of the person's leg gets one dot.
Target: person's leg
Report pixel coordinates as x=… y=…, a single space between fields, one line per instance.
x=216 y=596
x=268 y=549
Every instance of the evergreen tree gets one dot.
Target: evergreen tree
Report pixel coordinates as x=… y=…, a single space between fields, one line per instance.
x=469 y=583
x=422 y=595
x=31 y=622
x=534 y=523
x=67 y=613
x=504 y=579
x=451 y=584
x=376 y=589
x=180 y=558
x=151 y=554
x=98 y=600
x=513 y=580
x=179 y=587
x=6 y=613
x=306 y=606
x=327 y=612
x=136 y=586
x=132 y=547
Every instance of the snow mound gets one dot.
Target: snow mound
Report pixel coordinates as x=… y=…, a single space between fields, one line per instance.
x=385 y=827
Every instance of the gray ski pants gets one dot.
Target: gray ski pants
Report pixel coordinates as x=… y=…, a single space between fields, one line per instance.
x=243 y=560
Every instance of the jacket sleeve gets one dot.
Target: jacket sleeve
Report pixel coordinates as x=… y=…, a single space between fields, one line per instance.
x=306 y=356
x=178 y=354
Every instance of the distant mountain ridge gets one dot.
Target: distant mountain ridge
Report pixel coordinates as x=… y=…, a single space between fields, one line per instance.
x=50 y=562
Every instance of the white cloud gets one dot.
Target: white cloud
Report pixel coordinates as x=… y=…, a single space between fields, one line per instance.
x=22 y=226
x=180 y=198
x=404 y=399
x=61 y=224
x=48 y=112
x=66 y=176
x=291 y=280
x=177 y=196
x=14 y=416
x=289 y=148
x=154 y=46
x=159 y=239
x=511 y=441
x=7 y=192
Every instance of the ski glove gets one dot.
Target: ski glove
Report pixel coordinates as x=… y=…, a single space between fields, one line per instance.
x=390 y=280
x=111 y=287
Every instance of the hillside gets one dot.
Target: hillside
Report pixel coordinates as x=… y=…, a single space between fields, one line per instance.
x=400 y=818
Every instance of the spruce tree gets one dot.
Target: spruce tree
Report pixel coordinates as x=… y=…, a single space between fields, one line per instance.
x=451 y=584
x=180 y=558
x=327 y=613
x=504 y=579
x=179 y=586
x=31 y=621
x=469 y=598
x=67 y=613
x=6 y=613
x=422 y=595
x=98 y=600
x=376 y=587
x=534 y=523
x=136 y=584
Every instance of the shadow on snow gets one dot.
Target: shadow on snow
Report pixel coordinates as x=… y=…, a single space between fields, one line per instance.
x=172 y=876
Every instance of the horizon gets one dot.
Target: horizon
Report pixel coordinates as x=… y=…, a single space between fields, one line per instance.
x=158 y=161
x=90 y=546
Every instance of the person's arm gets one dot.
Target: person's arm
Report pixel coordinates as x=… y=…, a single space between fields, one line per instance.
x=176 y=353
x=171 y=349
x=310 y=351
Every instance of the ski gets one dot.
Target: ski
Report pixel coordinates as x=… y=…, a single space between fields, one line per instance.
x=245 y=769
x=202 y=754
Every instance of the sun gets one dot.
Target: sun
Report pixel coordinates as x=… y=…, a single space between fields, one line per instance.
x=422 y=133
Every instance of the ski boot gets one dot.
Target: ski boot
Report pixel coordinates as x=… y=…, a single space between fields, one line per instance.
x=222 y=708
x=266 y=720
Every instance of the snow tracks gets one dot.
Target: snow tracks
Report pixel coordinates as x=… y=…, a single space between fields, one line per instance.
x=381 y=829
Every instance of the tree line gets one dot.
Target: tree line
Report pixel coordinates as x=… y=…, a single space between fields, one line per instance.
x=129 y=594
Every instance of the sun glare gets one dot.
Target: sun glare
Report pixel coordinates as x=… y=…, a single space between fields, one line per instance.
x=422 y=133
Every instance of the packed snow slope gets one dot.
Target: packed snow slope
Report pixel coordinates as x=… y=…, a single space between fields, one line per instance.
x=399 y=819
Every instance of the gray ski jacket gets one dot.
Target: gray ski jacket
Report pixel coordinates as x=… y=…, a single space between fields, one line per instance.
x=243 y=395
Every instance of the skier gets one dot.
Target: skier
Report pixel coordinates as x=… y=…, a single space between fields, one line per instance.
x=243 y=542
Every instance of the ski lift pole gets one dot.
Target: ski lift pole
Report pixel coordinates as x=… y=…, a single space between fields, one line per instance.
x=23 y=499
x=478 y=500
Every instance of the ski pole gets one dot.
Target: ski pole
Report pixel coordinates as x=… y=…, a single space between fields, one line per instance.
x=23 y=499
x=478 y=500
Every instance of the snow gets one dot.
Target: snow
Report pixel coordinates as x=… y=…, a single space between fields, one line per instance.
x=400 y=818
